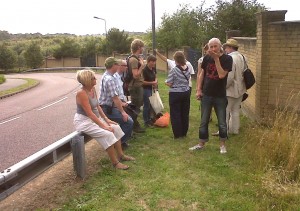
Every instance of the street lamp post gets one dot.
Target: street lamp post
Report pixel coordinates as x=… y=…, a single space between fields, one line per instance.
x=104 y=22
x=153 y=26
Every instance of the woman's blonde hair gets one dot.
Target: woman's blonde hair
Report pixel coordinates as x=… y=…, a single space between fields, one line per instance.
x=179 y=58
x=85 y=77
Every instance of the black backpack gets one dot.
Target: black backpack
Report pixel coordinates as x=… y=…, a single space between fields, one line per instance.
x=248 y=76
x=128 y=76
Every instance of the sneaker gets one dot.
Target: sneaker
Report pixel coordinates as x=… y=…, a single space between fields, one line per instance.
x=215 y=134
x=196 y=147
x=223 y=150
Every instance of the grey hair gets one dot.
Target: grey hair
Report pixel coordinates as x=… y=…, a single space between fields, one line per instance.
x=216 y=40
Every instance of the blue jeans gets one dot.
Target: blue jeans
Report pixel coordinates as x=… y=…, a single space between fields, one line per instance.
x=219 y=104
x=117 y=117
x=146 y=108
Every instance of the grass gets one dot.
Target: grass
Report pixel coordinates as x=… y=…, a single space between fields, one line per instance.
x=2 y=79
x=166 y=176
x=30 y=83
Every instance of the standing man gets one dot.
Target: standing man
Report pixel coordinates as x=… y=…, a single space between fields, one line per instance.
x=235 y=86
x=213 y=79
x=110 y=102
x=171 y=64
x=150 y=83
x=136 y=66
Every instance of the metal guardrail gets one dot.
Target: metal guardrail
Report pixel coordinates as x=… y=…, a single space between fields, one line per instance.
x=64 y=68
x=13 y=178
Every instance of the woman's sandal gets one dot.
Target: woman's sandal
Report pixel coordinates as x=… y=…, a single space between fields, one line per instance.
x=120 y=166
x=126 y=158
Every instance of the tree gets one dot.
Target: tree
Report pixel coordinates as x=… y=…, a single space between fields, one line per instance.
x=90 y=47
x=116 y=40
x=233 y=15
x=8 y=58
x=185 y=27
x=33 y=55
x=194 y=27
x=68 y=48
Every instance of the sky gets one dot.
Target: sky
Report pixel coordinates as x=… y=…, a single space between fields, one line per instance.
x=76 y=16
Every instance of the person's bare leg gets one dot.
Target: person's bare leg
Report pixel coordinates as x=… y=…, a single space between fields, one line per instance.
x=120 y=152
x=112 y=155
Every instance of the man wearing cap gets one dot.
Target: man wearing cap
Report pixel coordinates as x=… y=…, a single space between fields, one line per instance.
x=212 y=94
x=235 y=87
x=109 y=99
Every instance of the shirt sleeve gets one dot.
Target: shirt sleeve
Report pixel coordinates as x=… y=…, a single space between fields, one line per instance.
x=171 y=64
x=170 y=78
x=134 y=63
x=191 y=68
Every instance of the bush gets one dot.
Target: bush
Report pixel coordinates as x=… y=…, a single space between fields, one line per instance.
x=275 y=148
x=2 y=79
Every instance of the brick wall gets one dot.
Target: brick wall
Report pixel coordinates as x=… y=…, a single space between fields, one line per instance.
x=274 y=57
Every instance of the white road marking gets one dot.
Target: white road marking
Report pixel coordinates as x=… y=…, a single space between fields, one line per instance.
x=9 y=120
x=52 y=103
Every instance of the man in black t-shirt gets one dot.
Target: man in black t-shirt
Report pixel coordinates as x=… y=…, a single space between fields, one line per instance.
x=211 y=90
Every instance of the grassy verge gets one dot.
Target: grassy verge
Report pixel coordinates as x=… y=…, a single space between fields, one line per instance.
x=2 y=79
x=166 y=176
x=30 y=83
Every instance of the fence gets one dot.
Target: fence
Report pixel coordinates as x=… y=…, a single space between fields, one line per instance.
x=13 y=178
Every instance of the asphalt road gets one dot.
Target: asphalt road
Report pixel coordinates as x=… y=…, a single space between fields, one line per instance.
x=34 y=119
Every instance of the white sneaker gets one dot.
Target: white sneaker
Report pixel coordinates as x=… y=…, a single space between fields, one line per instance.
x=223 y=150
x=196 y=147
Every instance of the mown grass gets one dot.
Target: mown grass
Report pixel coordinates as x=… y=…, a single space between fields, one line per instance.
x=30 y=83
x=167 y=176
x=2 y=79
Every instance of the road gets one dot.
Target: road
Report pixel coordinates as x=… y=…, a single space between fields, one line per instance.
x=36 y=118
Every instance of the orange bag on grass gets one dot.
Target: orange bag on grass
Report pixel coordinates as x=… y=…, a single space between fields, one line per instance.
x=163 y=121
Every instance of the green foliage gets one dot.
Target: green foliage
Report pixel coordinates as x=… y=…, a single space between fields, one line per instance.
x=2 y=79
x=183 y=28
x=8 y=58
x=33 y=55
x=233 y=15
x=4 y=35
x=116 y=40
x=90 y=47
x=194 y=27
x=278 y=144
x=68 y=48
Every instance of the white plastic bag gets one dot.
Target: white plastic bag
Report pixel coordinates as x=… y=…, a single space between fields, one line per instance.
x=156 y=102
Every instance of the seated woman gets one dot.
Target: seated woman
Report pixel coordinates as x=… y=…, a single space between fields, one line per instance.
x=91 y=120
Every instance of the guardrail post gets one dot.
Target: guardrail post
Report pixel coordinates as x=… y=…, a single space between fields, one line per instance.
x=78 y=151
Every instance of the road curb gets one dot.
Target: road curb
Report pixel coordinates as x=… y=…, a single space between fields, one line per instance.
x=23 y=90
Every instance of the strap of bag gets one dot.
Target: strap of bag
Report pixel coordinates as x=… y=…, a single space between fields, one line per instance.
x=245 y=63
x=182 y=72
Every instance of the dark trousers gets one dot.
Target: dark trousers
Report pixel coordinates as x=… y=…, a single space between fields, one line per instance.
x=179 y=103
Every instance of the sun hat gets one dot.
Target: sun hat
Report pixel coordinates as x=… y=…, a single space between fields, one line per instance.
x=231 y=43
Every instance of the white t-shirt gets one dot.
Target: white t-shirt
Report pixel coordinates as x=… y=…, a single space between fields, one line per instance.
x=172 y=64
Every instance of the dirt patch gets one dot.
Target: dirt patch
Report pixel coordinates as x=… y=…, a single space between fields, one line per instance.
x=56 y=185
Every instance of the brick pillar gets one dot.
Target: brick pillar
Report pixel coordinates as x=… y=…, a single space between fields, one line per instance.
x=263 y=58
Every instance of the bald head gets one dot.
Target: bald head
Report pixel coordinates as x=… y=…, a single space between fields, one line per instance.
x=123 y=66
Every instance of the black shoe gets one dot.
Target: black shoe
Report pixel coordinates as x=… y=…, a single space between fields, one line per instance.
x=139 y=130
